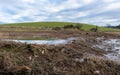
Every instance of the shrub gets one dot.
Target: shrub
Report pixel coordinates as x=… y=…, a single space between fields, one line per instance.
x=78 y=26
x=68 y=26
x=94 y=29
x=56 y=28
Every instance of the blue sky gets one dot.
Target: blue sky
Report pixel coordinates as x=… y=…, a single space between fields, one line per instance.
x=98 y=12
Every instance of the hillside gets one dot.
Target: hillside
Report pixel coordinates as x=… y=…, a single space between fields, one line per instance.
x=43 y=25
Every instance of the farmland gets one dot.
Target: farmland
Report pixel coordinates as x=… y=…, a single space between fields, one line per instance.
x=44 y=29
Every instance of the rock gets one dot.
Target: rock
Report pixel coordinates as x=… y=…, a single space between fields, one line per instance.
x=79 y=60
x=97 y=72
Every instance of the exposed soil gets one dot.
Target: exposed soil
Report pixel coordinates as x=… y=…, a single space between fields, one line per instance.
x=114 y=33
x=52 y=34
x=75 y=58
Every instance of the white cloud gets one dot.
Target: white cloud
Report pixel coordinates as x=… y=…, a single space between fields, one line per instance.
x=5 y=18
x=29 y=1
x=101 y=20
x=109 y=1
x=88 y=11
x=113 y=6
x=88 y=1
x=59 y=17
x=68 y=4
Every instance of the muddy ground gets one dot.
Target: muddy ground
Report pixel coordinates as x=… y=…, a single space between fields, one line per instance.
x=78 y=57
x=32 y=34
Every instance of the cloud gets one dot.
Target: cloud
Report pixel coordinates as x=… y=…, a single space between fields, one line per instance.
x=100 y=12
x=29 y=1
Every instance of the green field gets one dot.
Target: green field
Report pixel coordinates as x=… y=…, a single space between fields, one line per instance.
x=43 y=25
x=87 y=27
x=40 y=24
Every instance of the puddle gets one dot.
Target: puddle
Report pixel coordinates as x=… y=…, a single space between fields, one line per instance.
x=48 y=42
x=112 y=46
x=113 y=56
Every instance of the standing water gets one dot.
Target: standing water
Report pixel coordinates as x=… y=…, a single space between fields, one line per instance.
x=48 y=42
x=112 y=46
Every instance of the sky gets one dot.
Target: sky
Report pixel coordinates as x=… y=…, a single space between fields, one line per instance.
x=98 y=12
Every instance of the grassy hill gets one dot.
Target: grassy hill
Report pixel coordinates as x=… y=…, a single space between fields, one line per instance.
x=42 y=25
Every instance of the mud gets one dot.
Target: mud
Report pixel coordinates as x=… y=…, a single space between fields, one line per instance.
x=111 y=46
x=77 y=57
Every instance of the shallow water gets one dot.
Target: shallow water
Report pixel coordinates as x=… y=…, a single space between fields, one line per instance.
x=112 y=46
x=48 y=42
